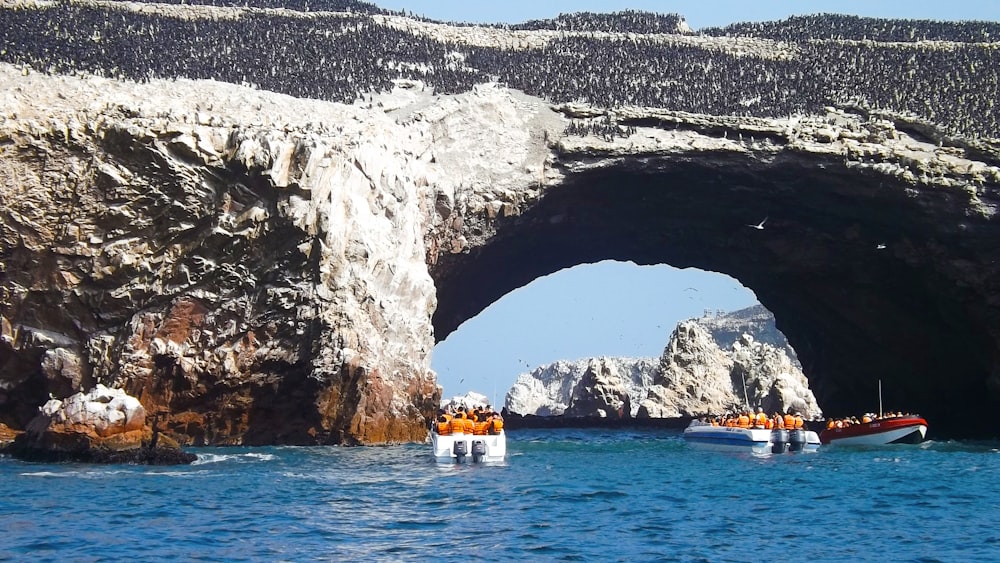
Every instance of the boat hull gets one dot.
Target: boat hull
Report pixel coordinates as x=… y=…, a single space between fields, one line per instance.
x=752 y=440
x=493 y=448
x=903 y=430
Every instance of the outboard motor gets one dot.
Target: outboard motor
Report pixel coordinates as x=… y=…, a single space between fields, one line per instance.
x=478 y=450
x=779 y=441
x=460 y=450
x=796 y=440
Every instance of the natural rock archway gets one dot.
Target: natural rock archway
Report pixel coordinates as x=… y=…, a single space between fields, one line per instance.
x=276 y=282
x=877 y=255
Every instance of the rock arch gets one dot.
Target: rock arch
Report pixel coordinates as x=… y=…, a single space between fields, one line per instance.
x=877 y=255
x=283 y=282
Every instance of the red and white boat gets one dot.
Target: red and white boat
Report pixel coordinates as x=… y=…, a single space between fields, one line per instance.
x=908 y=429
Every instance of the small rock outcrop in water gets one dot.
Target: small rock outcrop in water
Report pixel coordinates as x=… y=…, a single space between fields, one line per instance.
x=694 y=376
x=101 y=426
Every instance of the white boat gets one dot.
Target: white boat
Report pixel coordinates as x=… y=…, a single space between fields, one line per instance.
x=473 y=448
x=751 y=440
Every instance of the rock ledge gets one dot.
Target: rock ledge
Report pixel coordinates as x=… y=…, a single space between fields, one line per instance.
x=101 y=426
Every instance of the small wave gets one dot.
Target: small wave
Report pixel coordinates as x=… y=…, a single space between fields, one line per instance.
x=212 y=458
x=204 y=458
x=78 y=474
x=174 y=473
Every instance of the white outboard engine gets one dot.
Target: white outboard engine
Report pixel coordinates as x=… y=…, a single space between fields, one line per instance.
x=460 y=450
x=796 y=440
x=779 y=441
x=478 y=450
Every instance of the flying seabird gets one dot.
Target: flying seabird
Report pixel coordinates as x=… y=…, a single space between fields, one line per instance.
x=759 y=226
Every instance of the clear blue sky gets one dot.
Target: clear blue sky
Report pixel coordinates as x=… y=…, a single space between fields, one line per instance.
x=706 y=13
x=615 y=309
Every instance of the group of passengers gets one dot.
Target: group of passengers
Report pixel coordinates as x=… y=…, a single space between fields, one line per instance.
x=758 y=419
x=849 y=421
x=480 y=421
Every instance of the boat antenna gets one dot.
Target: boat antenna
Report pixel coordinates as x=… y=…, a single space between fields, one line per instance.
x=880 y=398
x=746 y=398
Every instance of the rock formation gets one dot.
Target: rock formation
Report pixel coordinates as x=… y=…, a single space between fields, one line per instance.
x=470 y=400
x=728 y=328
x=696 y=377
x=551 y=389
x=259 y=267
x=103 y=425
x=601 y=392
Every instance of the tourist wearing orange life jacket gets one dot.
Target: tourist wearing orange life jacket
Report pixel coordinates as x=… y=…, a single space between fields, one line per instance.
x=743 y=421
x=799 y=422
x=789 y=421
x=482 y=427
x=442 y=423
x=778 y=421
x=458 y=422
x=495 y=423
x=760 y=419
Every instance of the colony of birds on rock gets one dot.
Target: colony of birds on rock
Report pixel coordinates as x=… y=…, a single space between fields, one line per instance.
x=943 y=72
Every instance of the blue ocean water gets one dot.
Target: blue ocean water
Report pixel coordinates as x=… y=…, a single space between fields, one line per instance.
x=562 y=495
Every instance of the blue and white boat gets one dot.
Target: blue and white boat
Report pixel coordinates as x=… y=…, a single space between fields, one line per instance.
x=751 y=440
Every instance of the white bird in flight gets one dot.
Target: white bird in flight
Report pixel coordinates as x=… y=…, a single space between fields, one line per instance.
x=759 y=226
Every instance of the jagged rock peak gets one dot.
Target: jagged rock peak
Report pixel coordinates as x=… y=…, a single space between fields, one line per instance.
x=601 y=392
x=756 y=321
x=693 y=376
x=697 y=377
x=549 y=390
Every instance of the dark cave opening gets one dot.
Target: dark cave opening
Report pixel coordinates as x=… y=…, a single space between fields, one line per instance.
x=859 y=273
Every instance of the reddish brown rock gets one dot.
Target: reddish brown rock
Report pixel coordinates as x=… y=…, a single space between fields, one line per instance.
x=101 y=426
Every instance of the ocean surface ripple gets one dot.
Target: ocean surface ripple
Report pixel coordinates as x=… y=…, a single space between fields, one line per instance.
x=561 y=495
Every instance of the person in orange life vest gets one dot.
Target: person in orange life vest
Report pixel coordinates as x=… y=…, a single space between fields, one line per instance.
x=443 y=424
x=496 y=423
x=458 y=422
x=799 y=422
x=760 y=419
x=470 y=426
x=778 y=421
x=744 y=420
x=789 y=421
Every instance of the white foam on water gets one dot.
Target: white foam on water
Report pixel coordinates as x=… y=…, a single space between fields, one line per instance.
x=46 y=474
x=212 y=458
x=242 y=458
